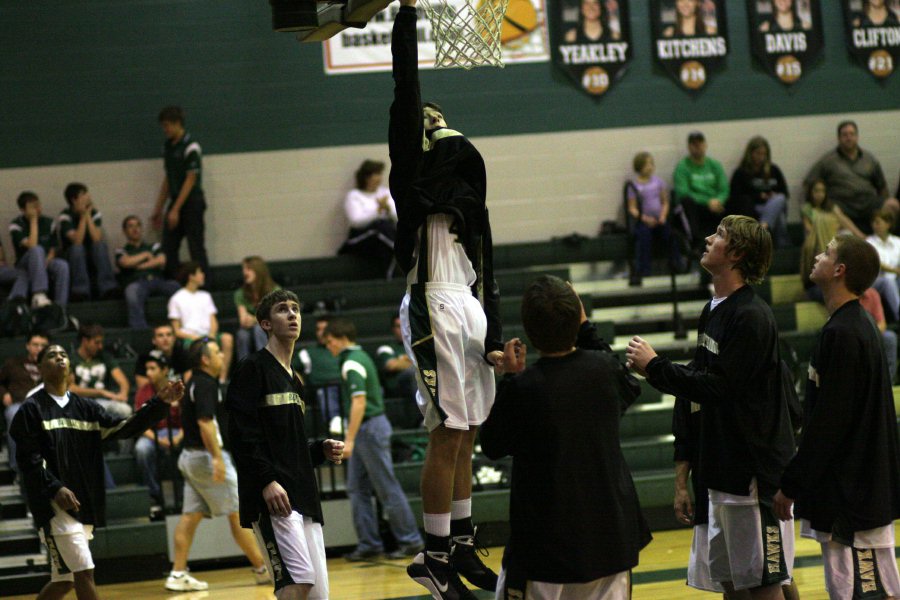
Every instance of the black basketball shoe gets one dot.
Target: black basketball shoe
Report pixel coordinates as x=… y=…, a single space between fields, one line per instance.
x=433 y=571
x=465 y=560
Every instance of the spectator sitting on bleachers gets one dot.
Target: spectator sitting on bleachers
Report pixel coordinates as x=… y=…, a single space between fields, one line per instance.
x=12 y=277
x=80 y=230
x=822 y=219
x=854 y=178
x=35 y=247
x=164 y=345
x=395 y=368
x=193 y=313
x=18 y=376
x=323 y=373
x=166 y=434
x=648 y=204
x=141 y=271
x=372 y=216
x=759 y=190
x=888 y=247
x=92 y=369
x=257 y=283
x=702 y=188
x=871 y=302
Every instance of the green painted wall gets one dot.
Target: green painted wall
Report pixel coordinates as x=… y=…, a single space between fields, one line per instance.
x=82 y=81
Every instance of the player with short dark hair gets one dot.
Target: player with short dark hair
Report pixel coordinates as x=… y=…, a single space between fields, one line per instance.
x=576 y=526
x=845 y=476
x=279 y=498
x=59 y=437
x=450 y=315
x=746 y=438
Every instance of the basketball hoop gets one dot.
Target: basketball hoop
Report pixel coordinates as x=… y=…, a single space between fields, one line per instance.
x=466 y=32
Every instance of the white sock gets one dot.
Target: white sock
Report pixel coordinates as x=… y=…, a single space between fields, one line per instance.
x=437 y=524
x=461 y=509
x=175 y=573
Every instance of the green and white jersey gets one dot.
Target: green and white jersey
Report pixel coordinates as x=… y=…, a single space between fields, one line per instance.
x=19 y=229
x=68 y=221
x=182 y=157
x=128 y=276
x=359 y=375
x=93 y=372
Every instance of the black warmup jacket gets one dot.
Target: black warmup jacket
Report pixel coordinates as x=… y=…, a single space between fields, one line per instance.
x=573 y=510
x=62 y=447
x=745 y=423
x=266 y=431
x=686 y=424
x=846 y=474
x=447 y=178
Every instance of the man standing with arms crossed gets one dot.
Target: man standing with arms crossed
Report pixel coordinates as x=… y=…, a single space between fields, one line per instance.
x=279 y=497
x=745 y=435
x=845 y=477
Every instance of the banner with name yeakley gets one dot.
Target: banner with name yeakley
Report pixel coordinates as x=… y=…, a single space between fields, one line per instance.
x=690 y=39
x=873 y=34
x=523 y=39
x=786 y=36
x=591 y=42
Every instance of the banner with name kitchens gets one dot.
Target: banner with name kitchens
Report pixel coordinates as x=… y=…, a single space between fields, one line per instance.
x=523 y=39
x=873 y=34
x=690 y=39
x=592 y=42
x=786 y=36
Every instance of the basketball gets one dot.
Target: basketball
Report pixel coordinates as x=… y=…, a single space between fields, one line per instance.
x=519 y=21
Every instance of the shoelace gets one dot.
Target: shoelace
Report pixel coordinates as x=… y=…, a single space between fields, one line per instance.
x=471 y=540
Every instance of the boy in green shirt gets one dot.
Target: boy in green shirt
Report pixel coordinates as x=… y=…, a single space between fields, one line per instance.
x=35 y=247
x=367 y=445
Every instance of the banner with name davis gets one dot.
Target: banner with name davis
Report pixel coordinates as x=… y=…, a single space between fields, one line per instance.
x=523 y=37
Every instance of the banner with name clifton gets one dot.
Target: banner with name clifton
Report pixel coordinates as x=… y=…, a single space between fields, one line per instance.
x=873 y=34
x=591 y=42
x=786 y=36
x=690 y=39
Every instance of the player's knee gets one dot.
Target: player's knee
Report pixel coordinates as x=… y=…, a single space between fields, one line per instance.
x=61 y=588
x=84 y=577
x=297 y=591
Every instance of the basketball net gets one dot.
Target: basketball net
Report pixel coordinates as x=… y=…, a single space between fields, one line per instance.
x=465 y=35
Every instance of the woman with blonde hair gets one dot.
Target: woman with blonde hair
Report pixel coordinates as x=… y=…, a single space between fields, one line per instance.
x=257 y=283
x=759 y=190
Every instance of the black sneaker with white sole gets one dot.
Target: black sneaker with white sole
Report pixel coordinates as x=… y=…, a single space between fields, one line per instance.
x=433 y=571
x=465 y=560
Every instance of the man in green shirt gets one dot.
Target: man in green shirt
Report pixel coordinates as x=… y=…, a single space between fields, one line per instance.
x=35 y=247
x=80 y=228
x=321 y=371
x=93 y=369
x=181 y=193
x=702 y=188
x=141 y=268
x=367 y=446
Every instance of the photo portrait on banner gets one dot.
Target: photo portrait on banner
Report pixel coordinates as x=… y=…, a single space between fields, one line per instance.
x=690 y=39
x=786 y=36
x=591 y=42
x=873 y=34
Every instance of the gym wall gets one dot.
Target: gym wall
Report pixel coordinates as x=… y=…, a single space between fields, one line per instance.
x=84 y=80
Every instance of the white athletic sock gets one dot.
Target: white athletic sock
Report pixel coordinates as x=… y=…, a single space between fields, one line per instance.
x=437 y=524
x=461 y=509
x=175 y=573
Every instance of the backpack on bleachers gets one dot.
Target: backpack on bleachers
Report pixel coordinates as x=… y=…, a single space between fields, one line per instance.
x=15 y=319
x=50 y=319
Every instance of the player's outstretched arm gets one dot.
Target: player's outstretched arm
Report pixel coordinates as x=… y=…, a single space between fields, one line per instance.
x=406 y=127
x=114 y=428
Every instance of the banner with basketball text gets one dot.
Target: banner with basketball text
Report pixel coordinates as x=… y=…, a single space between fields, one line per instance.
x=591 y=42
x=786 y=36
x=873 y=34
x=690 y=39
x=523 y=39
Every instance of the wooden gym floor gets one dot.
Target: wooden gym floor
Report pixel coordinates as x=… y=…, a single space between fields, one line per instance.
x=660 y=575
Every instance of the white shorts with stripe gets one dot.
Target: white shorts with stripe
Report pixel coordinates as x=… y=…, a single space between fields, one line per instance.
x=865 y=569
x=294 y=549
x=611 y=587
x=748 y=545
x=66 y=540
x=698 y=567
x=444 y=334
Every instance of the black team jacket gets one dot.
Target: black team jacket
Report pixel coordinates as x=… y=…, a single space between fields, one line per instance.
x=846 y=475
x=574 y=511
x=736 y=376
x=62 y=447
x=449 y=177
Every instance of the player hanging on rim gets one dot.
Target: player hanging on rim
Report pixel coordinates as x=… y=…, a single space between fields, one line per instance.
x=449 y=315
